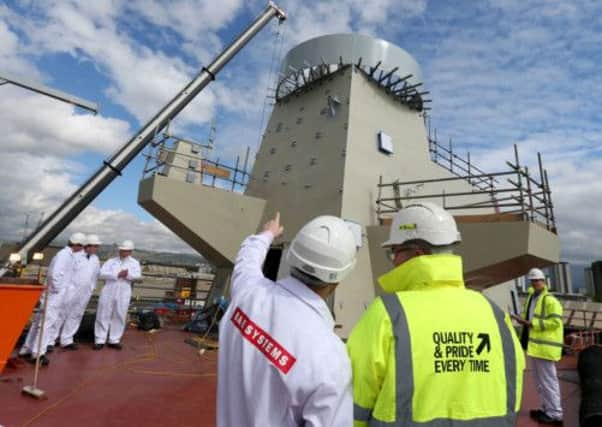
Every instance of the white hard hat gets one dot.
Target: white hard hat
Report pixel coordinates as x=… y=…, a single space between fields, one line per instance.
x=93 y=239
x=77 y=239
x=536 y=274
x=324 y=248
x=423 y=221
x=126 y=245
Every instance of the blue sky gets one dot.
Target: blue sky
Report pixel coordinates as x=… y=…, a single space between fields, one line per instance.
x=500 y=72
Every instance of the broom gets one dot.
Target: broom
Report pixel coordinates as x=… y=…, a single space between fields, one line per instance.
x=33 y=390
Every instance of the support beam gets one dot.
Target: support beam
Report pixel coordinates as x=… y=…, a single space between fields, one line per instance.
x=52 y=93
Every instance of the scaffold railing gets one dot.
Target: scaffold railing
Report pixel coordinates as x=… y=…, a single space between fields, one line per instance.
x=514 y=192
x=186 y=159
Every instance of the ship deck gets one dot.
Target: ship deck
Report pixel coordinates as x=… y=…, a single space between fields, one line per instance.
x=158 y=379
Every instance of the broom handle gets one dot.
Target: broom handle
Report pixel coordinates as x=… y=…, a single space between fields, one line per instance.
x=40 y=339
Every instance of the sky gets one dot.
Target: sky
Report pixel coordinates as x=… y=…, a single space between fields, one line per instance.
x=500 y=73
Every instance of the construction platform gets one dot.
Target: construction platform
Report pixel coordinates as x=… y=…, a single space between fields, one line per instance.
x=158 y=379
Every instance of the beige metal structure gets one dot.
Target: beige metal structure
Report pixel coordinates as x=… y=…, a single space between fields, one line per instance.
x=336 y=132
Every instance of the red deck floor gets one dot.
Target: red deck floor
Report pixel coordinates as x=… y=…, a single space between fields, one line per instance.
x=156 y=380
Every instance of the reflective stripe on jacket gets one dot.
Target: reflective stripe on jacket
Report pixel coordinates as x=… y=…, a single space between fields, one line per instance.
x=546 y=335
x=433 y=354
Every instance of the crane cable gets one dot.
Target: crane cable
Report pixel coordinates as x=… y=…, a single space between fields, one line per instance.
x=272 y=74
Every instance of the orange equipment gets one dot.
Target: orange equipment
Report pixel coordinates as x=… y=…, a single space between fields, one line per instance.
x=18 y=297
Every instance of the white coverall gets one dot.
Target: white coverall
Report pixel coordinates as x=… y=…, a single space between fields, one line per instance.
x=83 y=283
x=114 y=300
x=58 y=277
x=280 y=363
x=545 y=377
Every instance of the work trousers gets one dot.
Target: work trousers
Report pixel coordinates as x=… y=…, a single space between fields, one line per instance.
x=74 y=312
x=53 y=317
x=62 y=314
x=548 y=388
x=112 y=312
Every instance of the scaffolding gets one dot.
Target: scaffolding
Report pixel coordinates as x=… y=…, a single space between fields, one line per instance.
x=514 y=193
x=165 y=155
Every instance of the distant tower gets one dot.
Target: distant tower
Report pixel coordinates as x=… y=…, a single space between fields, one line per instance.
x=597 y=280
x=560 y=278
x=588 y=279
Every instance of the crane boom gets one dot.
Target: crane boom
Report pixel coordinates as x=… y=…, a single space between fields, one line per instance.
x=112 y=167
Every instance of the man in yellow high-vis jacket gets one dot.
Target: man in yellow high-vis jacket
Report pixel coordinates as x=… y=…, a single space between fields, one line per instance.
x=430 y=352
x=542 y=336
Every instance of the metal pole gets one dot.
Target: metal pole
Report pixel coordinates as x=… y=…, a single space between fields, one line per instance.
x=235 y=172
x=453 y=178
x=245 y=174
x=549 y=197
x=435 y=195
x=217 y=166
x=543 y=190
x=397 y=195
x=52 y=93
x=111 y=168
x=519 y=180
x=530 y=194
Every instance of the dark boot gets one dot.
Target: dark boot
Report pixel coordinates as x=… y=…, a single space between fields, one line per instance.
x=534 y=413
x=543 y=418
x=116 y=346
x=50 y=349
x=98 y=346
x=73 y=346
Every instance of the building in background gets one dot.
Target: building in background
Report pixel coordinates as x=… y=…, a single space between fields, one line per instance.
x=560 y=278
x=596 y=275
x=588 y=280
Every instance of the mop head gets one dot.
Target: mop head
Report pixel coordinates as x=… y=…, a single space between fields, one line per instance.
x=34 y=392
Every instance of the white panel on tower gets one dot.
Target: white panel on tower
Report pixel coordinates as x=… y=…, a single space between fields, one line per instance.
x=385 y=143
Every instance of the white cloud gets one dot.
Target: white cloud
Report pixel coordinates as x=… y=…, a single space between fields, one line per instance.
x=39 y=184
x=142 y=79
x=41 y=126
x=12 y=61
x=191 y=18
x=113 y=226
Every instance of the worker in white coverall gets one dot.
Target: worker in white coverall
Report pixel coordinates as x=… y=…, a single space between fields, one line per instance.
x=111 y=315
x=280 y=362
x=543 y=338
x=85 y=275
x=58 y=277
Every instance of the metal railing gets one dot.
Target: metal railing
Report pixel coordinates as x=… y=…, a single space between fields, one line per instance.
x=515 y=191
x=162 y=156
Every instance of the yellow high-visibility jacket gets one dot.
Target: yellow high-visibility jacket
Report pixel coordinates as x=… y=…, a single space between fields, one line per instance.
x=546 y=335
x=431 y=353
